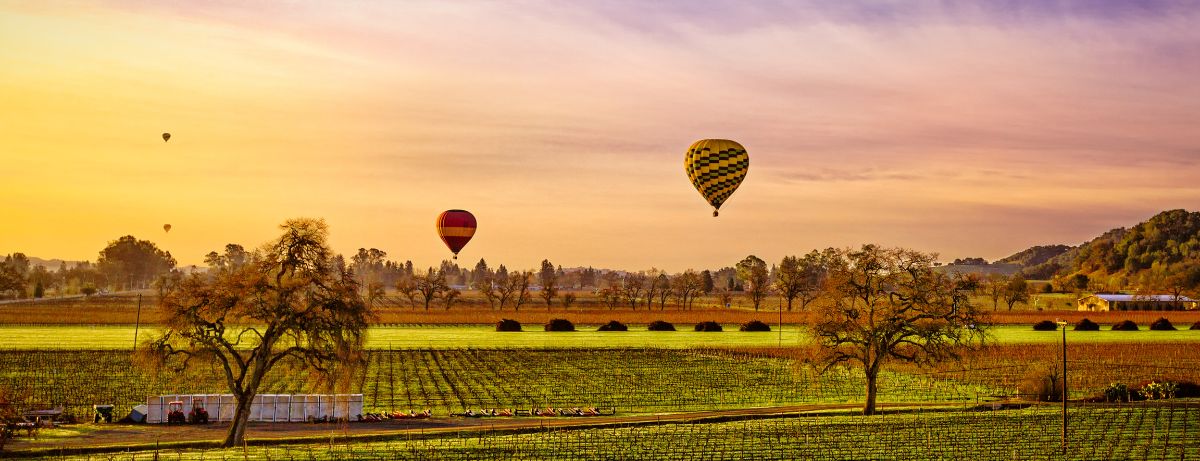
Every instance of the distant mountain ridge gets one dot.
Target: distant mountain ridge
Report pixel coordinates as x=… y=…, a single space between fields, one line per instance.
x=51 y=264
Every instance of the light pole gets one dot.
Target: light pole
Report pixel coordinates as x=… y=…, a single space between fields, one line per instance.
x=138 y=322
x=1063 y=325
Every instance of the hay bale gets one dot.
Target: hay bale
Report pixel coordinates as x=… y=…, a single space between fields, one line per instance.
x=755 y=325
x=1162 y=324
x=508 y=325
x=1125 y=325
x=613 y=325
x=659 y=325
x=1045 y=325
x=709 y=326
x=1087 y=325
x=559 y=325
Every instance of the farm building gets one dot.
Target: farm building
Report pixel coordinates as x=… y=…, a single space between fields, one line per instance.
x=1102 y=302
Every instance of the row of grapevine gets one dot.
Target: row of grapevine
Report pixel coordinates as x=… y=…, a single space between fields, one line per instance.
x=1133 y=432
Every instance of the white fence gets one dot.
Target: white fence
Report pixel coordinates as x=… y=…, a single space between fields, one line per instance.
x=265 y=407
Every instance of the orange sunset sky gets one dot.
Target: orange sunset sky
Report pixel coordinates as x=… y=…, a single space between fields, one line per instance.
x=970 y=130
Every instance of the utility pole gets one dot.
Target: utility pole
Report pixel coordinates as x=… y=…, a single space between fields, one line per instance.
x=1063 y=325
x=780 y=309
x=138 y=322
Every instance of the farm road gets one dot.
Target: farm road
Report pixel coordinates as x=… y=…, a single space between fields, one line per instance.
x=112 y=437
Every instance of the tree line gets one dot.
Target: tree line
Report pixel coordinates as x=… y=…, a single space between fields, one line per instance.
x=124 y=264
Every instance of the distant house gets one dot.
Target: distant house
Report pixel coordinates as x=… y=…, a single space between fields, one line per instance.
x=1136 y=303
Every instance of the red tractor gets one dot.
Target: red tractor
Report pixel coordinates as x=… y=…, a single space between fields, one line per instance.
x=198 y=415
x=175 y=413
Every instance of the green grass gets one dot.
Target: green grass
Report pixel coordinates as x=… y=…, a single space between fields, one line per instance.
x=482 y=336
x=1032 y=434
x=1014 y=334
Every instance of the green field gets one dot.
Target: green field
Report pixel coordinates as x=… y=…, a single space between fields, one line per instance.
x=483 y=336
x=1136 y=432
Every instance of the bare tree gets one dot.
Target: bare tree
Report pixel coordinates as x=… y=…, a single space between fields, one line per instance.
x=994 y=285
x=518 y=283
x=631 y=286
x=685 y=287
x=653 y=285
x=753 y=272
x=431 y=286
x=450 y=297
x=664 y=291
x=611 y=296
x=502 y=288
x=291 y=305
x=888 y=304
x=512 y=287
x=407 y=287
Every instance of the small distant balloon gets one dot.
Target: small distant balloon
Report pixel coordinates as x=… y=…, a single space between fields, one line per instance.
x=166 y=137
x=166 y=228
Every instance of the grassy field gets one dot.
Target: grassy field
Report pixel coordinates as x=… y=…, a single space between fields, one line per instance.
x=50 y=337
x=1136 y=432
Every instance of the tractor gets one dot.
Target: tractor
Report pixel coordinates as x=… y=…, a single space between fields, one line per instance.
x=175 y=413
x=197 y=415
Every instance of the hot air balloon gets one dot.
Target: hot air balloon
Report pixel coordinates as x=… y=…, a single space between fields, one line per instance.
x=166 y=137
x=456 y=227
x=166 y=228
x=716 y=167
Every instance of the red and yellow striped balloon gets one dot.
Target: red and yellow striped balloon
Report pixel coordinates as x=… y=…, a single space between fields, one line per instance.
x=456 y=227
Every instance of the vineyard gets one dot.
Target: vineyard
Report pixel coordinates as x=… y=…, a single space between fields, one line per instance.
x=1127 y=432
x=451 y=380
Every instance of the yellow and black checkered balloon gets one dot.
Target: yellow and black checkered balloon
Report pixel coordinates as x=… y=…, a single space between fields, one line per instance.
x=716 y=167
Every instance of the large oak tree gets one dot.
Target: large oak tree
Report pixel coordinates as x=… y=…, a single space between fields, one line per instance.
x=888 y=304
x=290 y=304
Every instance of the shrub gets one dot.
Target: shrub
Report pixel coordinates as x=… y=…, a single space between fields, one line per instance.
x=1042 y=383
x=1159 y=390
x=1087 y=325
x=613 y=325
x=1045 y=325
x=560 y=325
x=1162 y=324
x=1125 y=325
x=708 y=326
x=1186 y=389
x=659 y=325
x=508 y=325
x=1195 y=326
x=755 y=325
x=1116 y=392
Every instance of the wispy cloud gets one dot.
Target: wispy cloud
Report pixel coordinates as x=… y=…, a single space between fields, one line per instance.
x=894 y=118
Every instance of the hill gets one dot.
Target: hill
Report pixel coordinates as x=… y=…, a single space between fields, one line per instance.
x=51 y=264
x=1155 y=254
x=1034 y=256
